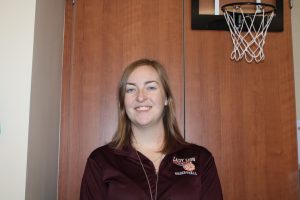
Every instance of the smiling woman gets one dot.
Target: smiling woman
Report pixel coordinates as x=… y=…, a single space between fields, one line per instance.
x=144 y=99
x=148 y=157
x=141 y=78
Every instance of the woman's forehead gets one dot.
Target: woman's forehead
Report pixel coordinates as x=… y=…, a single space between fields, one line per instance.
x=143 y=73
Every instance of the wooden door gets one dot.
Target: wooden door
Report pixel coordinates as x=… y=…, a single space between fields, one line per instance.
x=101 y=38
x=244 y=113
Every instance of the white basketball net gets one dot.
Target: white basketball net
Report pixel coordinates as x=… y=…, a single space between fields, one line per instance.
x=248 y=44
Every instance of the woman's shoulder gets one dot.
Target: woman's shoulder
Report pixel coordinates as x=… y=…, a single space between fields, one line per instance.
x=100 y=152
x=194 y=150
x=191 y=147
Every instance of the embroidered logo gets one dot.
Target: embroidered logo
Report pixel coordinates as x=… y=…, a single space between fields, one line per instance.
x=187 y=164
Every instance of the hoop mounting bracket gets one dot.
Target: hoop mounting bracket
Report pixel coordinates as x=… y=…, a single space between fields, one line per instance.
x=218 y=22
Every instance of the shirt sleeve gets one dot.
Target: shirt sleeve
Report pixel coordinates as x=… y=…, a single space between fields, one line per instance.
x=92 y=186
x=211 y=186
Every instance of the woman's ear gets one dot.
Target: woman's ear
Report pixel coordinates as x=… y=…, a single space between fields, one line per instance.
x=166 y=102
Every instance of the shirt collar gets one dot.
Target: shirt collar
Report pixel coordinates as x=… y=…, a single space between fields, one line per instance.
x=130 y=151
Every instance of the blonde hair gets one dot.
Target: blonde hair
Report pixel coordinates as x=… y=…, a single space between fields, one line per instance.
x=123 y=134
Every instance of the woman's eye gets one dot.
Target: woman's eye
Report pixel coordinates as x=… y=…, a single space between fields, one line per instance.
x=151 y=88
x=130 y=90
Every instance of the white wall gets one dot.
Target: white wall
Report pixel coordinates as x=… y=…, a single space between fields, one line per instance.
x=296 y=52
x=43 y=139
x=30 y=72
x=16 y=48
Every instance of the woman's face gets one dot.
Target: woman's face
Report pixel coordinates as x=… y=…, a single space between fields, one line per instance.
x=144 y=97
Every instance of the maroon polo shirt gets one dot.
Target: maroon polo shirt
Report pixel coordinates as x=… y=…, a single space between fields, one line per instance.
x=187 y=172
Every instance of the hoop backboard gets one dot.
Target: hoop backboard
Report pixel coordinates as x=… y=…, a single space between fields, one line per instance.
x=207 y=14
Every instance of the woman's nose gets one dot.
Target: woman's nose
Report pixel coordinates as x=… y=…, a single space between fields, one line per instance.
x=141 y=96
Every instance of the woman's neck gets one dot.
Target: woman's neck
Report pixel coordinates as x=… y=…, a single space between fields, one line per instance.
x=150 y=143
x=148 y=139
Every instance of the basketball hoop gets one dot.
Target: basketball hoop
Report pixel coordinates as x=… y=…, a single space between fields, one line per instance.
x=248 y=23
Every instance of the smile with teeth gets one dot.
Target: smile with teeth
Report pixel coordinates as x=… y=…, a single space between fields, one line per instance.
x=143 y=108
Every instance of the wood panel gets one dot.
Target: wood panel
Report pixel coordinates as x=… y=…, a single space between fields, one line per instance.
x=243 y=113
x=101 y=37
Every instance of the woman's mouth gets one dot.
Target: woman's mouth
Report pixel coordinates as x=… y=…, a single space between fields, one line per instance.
x=143 y=108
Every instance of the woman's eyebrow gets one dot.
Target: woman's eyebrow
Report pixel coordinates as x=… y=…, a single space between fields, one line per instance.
x=128 y=83
x=147 y=82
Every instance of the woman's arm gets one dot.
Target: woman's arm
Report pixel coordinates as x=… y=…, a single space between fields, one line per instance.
x=211 y=187
x=92 y=186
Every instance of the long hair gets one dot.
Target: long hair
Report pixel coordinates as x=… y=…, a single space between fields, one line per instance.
x=123 y=134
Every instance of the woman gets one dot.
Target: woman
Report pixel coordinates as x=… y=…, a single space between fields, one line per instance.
x=148 y=158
